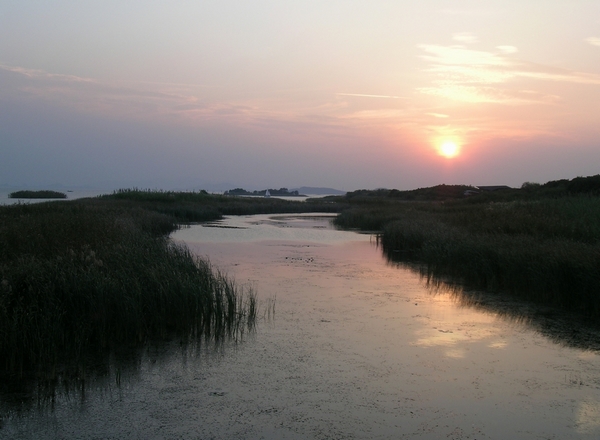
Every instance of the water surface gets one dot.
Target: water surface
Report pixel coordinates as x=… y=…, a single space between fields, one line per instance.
x=357 y=348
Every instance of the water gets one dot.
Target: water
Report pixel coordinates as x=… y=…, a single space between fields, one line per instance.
x=357 y=348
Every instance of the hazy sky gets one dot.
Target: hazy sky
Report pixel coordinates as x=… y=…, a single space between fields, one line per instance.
x=257 y=93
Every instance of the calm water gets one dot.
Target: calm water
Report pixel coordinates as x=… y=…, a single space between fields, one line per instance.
x=357 y=348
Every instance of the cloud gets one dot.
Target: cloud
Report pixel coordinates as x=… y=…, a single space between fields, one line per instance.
x=537 y=71
x=481 y=94
x=594 y=41
x=466 y=12
x=476 y=76
x=35 y=73
x=135 y=100
x=465 y=37
x=466 y=74
x=378 y=114
x=507 y=49
x=188 y=103
x=370 y=96
x=458 y=55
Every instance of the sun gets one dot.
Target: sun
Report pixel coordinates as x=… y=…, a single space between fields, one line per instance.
x=449 y=149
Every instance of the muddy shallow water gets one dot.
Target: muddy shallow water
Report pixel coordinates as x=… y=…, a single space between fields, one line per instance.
x=356 y=348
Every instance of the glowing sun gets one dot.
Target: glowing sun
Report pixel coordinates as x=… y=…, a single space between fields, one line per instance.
x=449 y=149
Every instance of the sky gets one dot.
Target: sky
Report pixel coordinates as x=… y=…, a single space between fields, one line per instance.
x=348 y=94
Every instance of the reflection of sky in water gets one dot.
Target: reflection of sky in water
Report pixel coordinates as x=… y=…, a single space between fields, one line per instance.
x=240 y=229
x=444 y=325
x=457 y=365
x=357 y=349
x=588 y=416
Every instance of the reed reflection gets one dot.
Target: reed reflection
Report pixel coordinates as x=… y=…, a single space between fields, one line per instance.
x=563 y=327
x=109 y=373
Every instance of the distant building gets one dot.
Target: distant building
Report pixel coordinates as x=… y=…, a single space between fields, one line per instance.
x=493 y=187
x=479 y=189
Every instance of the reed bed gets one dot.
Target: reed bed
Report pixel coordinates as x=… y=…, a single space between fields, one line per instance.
x=78 y=279
x=546 y=250
x=188 y=207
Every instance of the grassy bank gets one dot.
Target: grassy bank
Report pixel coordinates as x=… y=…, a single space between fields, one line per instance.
x=81 y=278
x=44 y=194
x=202 y=206
x=541 y=247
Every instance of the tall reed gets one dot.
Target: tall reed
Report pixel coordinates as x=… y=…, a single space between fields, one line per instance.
x=547 y=250
x=80 y=278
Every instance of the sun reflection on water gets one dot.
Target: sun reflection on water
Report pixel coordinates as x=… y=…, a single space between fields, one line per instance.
x=588 y=416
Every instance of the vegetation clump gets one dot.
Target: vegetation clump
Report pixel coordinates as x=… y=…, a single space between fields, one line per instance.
x=541 y=242
x=85 y=277
x=44 y=194
x=89 y=276
x=189 y=207
x=438 y=192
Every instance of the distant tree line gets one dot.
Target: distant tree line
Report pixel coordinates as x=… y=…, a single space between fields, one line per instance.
x=438 y=192
x=589 y=185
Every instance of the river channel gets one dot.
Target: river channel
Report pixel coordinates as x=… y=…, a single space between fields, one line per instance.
x=347 y=346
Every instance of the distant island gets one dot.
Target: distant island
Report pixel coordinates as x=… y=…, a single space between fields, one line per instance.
x=281 y=192
x=44 y=194
x=284 y=192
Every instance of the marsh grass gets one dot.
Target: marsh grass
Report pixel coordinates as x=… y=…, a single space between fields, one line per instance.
x=188 y=207
x=545 y=250
x=78 y=279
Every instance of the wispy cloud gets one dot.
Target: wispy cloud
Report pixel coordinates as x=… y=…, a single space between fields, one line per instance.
x=467 y=12
x=507 y=49
x=481 y=94
x=465 y=37
x=378 y=114
x=476 y=76
x=36 y=73
x=537 y=71
x=361 y=95
x=134 y=99
x=594 y=41
x=185 y=103
x=458 y=55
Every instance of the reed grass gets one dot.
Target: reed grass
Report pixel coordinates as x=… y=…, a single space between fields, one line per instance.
x=189 y=207
x=546 y=250
x=79 y=278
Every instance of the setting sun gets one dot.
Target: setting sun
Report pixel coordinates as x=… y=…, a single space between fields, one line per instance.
x=449 y=149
